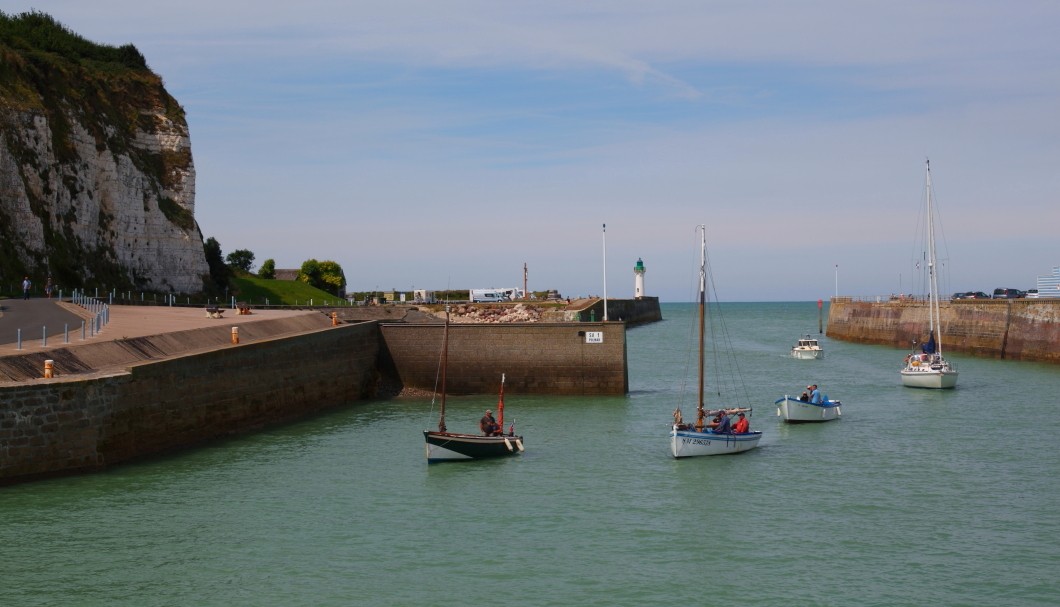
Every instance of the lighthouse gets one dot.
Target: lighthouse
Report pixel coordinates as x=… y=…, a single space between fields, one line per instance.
x=638 y=284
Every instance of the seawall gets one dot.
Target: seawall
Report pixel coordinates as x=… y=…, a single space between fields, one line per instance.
x=78 y=423
x=1016 y=329
x=118 y=400
x=537 y=358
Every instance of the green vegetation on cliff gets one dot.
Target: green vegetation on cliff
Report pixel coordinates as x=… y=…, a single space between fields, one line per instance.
x=48 y=71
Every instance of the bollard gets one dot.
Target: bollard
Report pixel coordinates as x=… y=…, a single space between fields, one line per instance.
x=235 y=335
x=334 y=319
x=48 y=373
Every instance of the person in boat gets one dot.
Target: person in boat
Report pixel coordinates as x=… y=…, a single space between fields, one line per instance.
x=721 y=424
x=805 y=396
x=815 y=395
x=488 y=424
x=742 y=426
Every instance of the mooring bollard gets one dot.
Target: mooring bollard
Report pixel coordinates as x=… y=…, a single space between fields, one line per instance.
x=48 y=366
x=235 y=335
x=334 y=319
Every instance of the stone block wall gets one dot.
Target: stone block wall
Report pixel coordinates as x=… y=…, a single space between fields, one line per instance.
x=59 y=426
x=538 y=358
x=1017 y=329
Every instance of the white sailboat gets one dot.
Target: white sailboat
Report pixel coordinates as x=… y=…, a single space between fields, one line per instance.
x=927 y=368
x=690 y=440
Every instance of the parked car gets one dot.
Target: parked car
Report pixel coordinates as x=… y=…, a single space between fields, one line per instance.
x=1009 y=293
x=962 y=295
x=1032 y=293
x=977 y=295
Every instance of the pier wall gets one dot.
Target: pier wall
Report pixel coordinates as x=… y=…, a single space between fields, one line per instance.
x=538 y=358
x=1015 y=329
x=630 y=311
x=78 y=423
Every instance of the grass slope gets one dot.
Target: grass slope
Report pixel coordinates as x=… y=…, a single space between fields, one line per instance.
x=259 y=291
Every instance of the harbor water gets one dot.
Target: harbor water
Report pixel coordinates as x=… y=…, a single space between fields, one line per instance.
x=913 y=497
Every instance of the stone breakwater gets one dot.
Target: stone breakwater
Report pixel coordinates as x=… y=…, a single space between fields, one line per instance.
x=79 y=422
x=1015 y=329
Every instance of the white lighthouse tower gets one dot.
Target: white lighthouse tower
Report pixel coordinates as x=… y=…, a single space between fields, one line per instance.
x=638 y=286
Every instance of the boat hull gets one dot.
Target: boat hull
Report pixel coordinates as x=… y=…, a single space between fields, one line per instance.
x=796 y=411
x=689 y=443
x=926 y=377
x=807 y=353
x=449 y=446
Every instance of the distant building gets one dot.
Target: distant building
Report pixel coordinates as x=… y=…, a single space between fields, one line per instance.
x=1049 y=285
x=286 y=274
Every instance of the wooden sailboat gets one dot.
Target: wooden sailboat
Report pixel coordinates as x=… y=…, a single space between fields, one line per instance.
x=690 y=440
x=443 y=445
x=928 y=368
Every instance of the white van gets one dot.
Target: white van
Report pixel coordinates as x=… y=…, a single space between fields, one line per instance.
x=487 y=296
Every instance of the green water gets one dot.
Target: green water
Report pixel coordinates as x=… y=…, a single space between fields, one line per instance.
x=914 y=497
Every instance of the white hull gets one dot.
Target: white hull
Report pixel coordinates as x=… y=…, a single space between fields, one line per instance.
x=807 y=353
x=689 y=443
x=795 y=410
x=927 y=377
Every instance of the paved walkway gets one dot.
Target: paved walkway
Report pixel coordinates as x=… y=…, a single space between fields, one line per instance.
x=125 y=321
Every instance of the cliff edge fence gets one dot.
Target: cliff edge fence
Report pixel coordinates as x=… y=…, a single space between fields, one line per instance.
x=1014 y=329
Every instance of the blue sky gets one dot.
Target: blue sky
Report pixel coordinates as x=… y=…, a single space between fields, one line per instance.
x=426 y=144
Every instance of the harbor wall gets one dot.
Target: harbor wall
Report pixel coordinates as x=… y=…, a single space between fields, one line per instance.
x=631 y=311
x=1015 y=329
x=77 y=423
x=537 y=358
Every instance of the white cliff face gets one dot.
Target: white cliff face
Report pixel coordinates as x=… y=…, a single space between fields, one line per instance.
x=129 y=211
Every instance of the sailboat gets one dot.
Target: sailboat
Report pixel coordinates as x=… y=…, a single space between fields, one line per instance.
x=443 y=445
x=928 y=368
x=690 y=440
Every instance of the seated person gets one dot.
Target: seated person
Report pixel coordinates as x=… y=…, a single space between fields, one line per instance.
x=742 y=426
x=721 y=424
x=805 y=397
x=488 y=425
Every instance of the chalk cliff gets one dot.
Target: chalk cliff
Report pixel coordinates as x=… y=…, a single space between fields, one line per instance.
x=97 y=183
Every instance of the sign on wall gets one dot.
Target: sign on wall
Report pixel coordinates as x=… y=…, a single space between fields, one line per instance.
x=594 y=337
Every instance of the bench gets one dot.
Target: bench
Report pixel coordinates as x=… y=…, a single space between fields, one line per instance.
x=242 y=308
x=214 y=312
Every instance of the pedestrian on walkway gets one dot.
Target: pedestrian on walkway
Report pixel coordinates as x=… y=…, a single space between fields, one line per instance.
x=26 y=284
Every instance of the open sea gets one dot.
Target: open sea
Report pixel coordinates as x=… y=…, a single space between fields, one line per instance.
x=914 y=497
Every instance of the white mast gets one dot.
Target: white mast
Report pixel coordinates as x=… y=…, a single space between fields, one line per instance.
x=605 y=272
x=934 y=318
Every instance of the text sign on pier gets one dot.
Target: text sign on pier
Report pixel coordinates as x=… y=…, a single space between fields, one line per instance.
x=594 y=337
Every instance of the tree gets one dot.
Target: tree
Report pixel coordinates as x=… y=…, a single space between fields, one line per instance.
x=240 y=259
x=219 y=272
x=268 y=269
x=324 y=275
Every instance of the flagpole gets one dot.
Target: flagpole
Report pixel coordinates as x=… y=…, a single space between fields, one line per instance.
x=605 y=272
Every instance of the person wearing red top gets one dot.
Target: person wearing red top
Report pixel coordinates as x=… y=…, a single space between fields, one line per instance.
x=742 y=426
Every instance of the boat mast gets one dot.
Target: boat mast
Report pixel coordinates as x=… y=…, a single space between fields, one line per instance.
x=445 y=365
x=934 y=317
x=700 y=413
x=500 y=406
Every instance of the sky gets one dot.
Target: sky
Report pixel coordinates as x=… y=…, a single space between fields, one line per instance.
x=448 y=145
